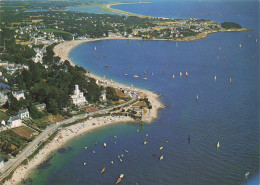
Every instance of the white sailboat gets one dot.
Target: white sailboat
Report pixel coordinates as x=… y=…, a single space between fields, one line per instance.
x=161 y=157
x=180 y=73
x=218 y=145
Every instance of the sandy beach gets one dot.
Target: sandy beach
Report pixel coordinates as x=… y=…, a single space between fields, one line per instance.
x=65 y=134
x=62 y=50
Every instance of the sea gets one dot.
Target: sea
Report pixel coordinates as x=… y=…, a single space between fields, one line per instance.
x=225 y=112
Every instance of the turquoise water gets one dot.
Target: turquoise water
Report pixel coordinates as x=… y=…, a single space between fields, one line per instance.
x=228 y=113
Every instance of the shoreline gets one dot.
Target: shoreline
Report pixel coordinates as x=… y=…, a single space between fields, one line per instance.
x=107 y=7
x=63 y=136
x=66 y=134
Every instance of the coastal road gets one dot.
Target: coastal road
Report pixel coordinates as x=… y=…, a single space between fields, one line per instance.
x=31 y=147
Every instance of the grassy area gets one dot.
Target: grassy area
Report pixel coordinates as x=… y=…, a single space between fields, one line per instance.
x=4 y=116
x=49 y=30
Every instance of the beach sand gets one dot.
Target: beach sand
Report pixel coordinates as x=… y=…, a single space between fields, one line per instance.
x=65 y=134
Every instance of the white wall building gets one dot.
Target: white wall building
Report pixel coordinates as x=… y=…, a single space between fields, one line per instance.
x=103 y=95
x=18 y=94
x=24 y=114
x=14 y=121
x=1 y=163
x=78 y=97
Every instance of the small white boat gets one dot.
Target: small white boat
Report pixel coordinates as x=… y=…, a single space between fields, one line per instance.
x=122 y=155
x=230 y=80
x=146 y=135
x=118 y=156
x=215 y=77
x=120 y=160
x=115 y=137
x=95 y=48
x=218 y=145
x=173 y=76
x=145 y=142
x=219 y=48
x=126 y=151
x=126 y=74
x=161 y=148
x=145 y=78
x=246 y=174
x=197 y=97
x=84 y=164
x=218 y=57
x=161 y=157
x=240 y=45
x=135 y=76
x=144 y=72
x=112 y=162
x=180 y=73
x=105 y=145
x=94 y=152
x=256 y=40
x=86 y=147
x=103 y=170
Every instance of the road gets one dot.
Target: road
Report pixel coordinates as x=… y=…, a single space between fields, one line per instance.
x=28 y=150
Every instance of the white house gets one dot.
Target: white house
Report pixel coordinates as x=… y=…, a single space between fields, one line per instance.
x=78 y=97
x=2 y=164
x=103 y=95
x=3 y=98
x=18 y=94
x=40 y=107
x=14 y=121
x=24 y=114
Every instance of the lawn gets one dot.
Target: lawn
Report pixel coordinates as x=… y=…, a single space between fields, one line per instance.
x=3 y=116
x=49 y=30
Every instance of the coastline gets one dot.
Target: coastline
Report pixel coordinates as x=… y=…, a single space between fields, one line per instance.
x=107 y=7
x=66 y=134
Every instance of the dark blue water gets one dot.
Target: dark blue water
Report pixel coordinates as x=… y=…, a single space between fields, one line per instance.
x=228 y=113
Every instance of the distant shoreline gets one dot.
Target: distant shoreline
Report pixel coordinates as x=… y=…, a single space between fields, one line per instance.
x=107 y=7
